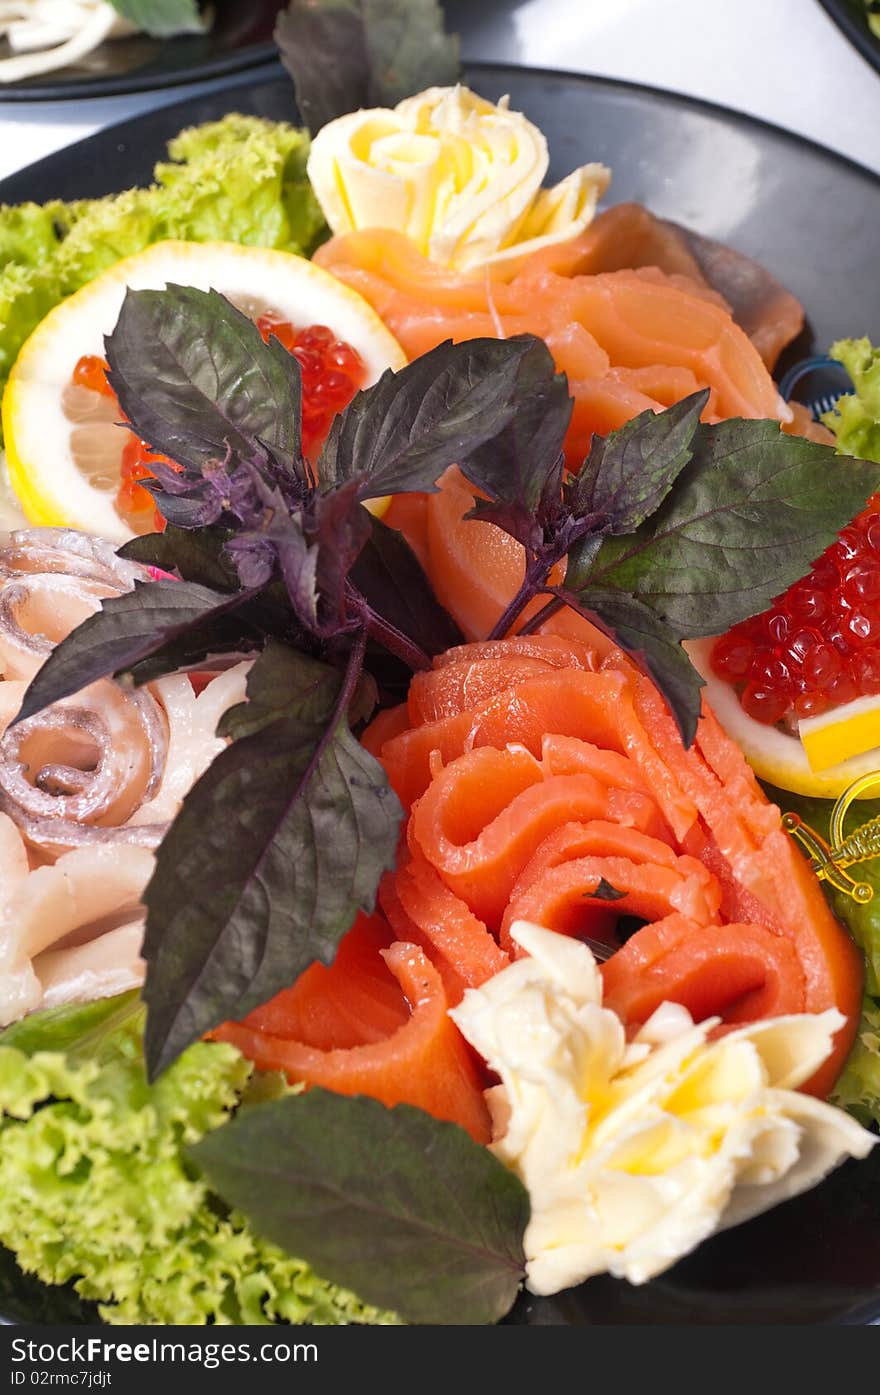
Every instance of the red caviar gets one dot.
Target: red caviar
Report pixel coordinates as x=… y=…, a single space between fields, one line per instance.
x=332 y=371
x=818 y=645
x=91 y=372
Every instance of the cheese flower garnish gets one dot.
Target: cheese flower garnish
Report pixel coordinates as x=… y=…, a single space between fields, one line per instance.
x=633 y=1153
x=459 y=176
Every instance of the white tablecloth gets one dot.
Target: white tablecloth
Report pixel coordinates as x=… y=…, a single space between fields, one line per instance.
x=782 y=60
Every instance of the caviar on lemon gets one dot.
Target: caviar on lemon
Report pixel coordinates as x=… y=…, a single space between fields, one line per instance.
x=818 y=645
x=332 y=371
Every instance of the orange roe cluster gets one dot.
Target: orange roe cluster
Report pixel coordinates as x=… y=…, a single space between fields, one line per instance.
x=332 y=372
x=818 y=645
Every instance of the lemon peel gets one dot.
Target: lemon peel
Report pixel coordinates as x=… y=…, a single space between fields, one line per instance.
x=63 y=444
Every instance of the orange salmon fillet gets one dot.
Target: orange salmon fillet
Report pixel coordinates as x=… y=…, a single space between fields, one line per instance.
x=565 y=797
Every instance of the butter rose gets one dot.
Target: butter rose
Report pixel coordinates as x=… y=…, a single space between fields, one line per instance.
x=633 y=1153
x=458 y=175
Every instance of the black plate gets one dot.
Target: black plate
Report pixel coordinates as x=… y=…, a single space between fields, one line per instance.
x=240 y=37
x=811 y=217
x=851 y=18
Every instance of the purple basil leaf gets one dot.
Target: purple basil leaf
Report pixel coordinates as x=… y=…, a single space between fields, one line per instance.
x=389 y=577
x=512 y=466
x=340 y=526
x=629 y=473
x=194 y=504
x=193 y=556
x=126 y=630
x=642 y=633
x=404 y=1209
x=196 y=380
x=275 y=849
x=401 y=434
x=224 y=641
x=345 y=54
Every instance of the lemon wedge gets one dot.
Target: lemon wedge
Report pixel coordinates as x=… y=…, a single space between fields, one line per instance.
x=63 y=444
x=852 y=729
x=781 y=757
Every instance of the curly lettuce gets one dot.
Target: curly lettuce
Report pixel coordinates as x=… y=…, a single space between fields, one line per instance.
x=241 y=179
x=858 y=1089
x=95 y=1189
x=855 y=419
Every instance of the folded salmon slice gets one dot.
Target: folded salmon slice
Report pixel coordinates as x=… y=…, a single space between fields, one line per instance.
x=566 y=797
x=742 y=972
x=424 y=1061
x=421 y=908
x=630 y=336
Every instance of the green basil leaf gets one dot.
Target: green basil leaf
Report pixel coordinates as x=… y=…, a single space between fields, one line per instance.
x=278 y=845
x=126 y=630
x=345 y=54
x=163 y=18
x=196 y=380
x=405 y=1209
x=629 y=473
x=654 y=647
x=748 y=515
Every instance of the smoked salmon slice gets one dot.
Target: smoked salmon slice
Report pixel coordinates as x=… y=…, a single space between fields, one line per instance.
x=424 y=1061
x=422 y=908
x=629 y=339
x=565 y=796
x=743 y=972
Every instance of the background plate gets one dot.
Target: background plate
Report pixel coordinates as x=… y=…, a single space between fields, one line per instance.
x=811 y=217
x=240 y=37
x=851 y=19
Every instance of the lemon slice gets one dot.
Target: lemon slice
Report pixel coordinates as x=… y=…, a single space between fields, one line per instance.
x=63 y=444
x=781 y=757
x=846 y=731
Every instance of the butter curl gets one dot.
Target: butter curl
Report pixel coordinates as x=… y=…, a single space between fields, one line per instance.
x=635 y=1152
x=458 y=175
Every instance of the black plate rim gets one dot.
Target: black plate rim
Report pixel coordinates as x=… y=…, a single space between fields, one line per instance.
x=122 y=85
x=863 y=1313
x=841 y=13
x=675 y=99
x=272 y=69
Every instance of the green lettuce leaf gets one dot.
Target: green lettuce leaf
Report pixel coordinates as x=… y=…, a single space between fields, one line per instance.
x=94 y=1188
x=855 y=420
x=242 y=179
x=858 y=1089
x=31 y=232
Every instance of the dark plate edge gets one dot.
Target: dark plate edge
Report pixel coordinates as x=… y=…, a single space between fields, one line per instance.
x=272 y=70
x=250 y=56
x=668 y=95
